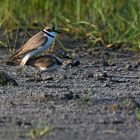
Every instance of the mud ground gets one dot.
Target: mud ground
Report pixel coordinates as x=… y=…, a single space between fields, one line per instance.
x=98 y=99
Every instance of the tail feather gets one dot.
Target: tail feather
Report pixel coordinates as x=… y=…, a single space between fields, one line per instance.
x=24 y=60
x=14 y=55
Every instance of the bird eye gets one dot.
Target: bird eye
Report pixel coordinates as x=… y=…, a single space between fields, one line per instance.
x=49 y=30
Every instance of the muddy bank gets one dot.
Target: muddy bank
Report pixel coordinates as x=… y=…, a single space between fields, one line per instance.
x=97 y=99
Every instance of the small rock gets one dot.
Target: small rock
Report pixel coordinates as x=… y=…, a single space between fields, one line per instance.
x=102 y=76
x=105 y=64
x=135 y=65
x=5 y=79
x=70 y=96
x=128 y=66
x=91 y=75
x=105 y=85
x=75 y=63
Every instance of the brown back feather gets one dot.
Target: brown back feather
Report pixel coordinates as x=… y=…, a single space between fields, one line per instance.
x=33 y=43
x=42 y=61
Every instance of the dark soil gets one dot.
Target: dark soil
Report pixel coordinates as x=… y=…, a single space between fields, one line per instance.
x=98 y=99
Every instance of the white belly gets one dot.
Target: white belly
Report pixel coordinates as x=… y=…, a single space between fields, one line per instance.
x=42 y=48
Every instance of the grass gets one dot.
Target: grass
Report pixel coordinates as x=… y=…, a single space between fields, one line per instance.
x=41 y=129
x=39 y=132
x=87 y=98
x=107 y=23
x=138 y=114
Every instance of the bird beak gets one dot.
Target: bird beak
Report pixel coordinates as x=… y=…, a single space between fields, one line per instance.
x=53 y=28
x=57 y=31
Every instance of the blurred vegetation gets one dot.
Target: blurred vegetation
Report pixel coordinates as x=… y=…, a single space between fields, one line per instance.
x=105 y=22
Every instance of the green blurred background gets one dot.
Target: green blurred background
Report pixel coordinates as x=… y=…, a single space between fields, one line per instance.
x=110 y=22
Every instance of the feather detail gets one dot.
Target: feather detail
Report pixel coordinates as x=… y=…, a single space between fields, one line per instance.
x=33 y=43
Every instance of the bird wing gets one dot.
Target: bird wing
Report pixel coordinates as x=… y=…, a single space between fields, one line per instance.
x=45 y=62
x=33 y=43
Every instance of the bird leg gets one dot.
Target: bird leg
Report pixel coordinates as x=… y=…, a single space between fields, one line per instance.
x=24 y=60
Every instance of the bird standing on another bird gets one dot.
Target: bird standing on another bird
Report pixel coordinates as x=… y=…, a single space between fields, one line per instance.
x=36 y=45
x=48 y=63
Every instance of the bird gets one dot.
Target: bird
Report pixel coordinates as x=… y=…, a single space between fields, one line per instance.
x=45 y=63
x=37 y=44
x=49 y=62
x=6 y=79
